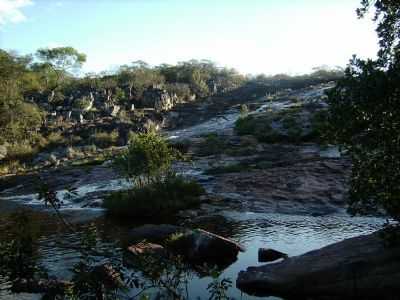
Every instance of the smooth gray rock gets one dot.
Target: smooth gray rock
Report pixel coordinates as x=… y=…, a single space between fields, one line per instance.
x=357 y=268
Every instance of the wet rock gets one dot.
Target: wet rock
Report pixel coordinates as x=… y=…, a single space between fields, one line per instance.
x=356 y=268
x=268 y=255
x=136 y=253
x=198 y=246
x=201 y=246
x=155 y=233
x=145 y=248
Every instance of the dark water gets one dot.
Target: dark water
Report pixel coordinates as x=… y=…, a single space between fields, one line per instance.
x=292 y=234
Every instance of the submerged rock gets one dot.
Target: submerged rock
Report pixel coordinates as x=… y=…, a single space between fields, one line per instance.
x=145 y=248
x=267 y=255
x=138 y=253
x=357 y=268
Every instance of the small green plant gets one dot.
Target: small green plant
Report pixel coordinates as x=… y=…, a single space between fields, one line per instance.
x=18 y=254
x=105 y=139
x=159 y=198
x=211 y=145
x=244 y=111
x=218 y=288
x=20 y=151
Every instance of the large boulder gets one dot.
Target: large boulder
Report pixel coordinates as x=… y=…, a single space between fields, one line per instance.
x=357 y=268
x=201 y=246
x=198 y=246
x=159 y=99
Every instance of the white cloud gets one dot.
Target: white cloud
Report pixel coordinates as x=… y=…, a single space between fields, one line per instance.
x=10 y=11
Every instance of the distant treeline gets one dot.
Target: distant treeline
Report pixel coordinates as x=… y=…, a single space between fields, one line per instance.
x=32 y=86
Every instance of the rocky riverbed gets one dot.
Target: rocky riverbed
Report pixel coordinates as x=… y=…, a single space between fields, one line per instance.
x=289 y=196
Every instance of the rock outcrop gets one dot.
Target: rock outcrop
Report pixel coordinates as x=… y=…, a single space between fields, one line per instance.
x=357 y=268
x=159 y=99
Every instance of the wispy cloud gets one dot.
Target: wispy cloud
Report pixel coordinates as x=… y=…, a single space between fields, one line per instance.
x=10 y=11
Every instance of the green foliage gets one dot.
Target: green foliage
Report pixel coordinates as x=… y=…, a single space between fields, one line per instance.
x=105 y=139
x=147 y=158
x=218 y=288
x=283 y=81
x=244 y=111
x=82 y=103
x=22 y=151
x=18 y=120
x=387 y=14
x=18 y=255
x=211 y=145
x=259 y=126
x=364 y=117
x=62 y=59
x=159 y=198
x=91 y=279
x=55 y=139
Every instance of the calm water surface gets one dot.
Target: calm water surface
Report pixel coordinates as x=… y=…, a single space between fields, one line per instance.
x=292 y=234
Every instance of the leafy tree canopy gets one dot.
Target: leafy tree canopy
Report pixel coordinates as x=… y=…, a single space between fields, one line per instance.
x=364 y=116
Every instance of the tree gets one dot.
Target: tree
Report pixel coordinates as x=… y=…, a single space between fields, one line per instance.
x=60 y=61
x=364 y=116
x=17 y=117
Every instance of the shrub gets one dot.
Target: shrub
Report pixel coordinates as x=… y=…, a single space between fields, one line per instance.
x=105 y=139
x=55 y=139
x=159 y=198
x=157 y=190
x=244 y=111
x=211 y=145
x=245 y=126
x=147 y=158
x=11 y=167
x=20 y=151
x=82 y=103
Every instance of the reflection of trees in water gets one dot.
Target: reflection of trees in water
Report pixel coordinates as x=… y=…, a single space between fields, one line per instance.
x=99 y=274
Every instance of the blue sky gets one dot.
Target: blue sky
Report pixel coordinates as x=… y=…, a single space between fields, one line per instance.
x=253 y=36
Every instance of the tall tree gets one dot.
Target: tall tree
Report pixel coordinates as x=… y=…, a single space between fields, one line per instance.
x=61 y=61
x=364 y=116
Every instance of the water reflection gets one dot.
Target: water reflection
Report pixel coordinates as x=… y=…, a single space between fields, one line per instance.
x=292 y=234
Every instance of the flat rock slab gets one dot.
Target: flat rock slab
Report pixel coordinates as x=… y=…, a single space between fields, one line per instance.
x=356 y=268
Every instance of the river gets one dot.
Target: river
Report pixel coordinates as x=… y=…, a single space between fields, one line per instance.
x=293 y=234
